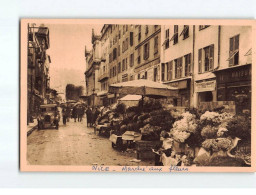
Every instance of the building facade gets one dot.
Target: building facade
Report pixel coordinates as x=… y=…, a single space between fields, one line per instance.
x=93 y=62
x=177 y=61
x=208 y=64
x=147 y=52
x=127 y=52
x=38 y=69
x=233 y=76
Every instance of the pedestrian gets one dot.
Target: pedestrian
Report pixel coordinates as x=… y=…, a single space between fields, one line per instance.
x=68 y=112
x=74 y=113
x=96 y=113
x=64 y=115
x=80 y=113
x=89 y=116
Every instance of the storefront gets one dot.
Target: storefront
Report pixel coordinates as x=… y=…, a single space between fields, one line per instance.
x=234 y=84
x=183 y=99
x=103 y=99
x=112 y=98
x=205 y=91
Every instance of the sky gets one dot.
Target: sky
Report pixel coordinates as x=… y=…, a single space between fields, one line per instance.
x=67 y=47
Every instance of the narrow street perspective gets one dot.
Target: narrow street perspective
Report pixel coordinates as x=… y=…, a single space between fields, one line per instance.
x=139 y=95
x=75 y=144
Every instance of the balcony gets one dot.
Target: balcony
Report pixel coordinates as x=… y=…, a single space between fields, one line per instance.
x=103 y=76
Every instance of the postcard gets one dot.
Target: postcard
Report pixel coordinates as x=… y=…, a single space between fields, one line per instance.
x=137 y=95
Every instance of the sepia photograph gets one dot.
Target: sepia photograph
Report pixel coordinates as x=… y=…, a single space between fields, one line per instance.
x=136 y=95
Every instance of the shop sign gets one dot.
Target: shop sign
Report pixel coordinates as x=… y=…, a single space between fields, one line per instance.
x=111 y=96
x=237 y=74
x=147 y=65
x=179 y=84
x=205 y=86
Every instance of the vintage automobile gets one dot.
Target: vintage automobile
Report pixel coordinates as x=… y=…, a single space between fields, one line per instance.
x=49 y=116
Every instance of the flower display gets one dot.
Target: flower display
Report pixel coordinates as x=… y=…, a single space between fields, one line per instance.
x=221 y=131
x=210 y=116
x=187 y=123
x=224 y=119
x=209 y=132
x=180 y=136
x=210 y=144
x=148 y=129
x=183 y=128
x=224 y=143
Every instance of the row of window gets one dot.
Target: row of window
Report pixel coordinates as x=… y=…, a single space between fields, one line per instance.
x=115 y=39
x=205 y=61
x=121 y=67
x=175 y=37
x=174 y=69
x=125 y=45
x=146 y=49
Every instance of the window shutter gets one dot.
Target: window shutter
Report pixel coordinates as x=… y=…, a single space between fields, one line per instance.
x=211 y=57
x=200 y=60
x=189 y=63
x=181 y=66
x=171 y=67
x=236 y=42
x=148 y=50
x=131 y=38
x=168 y=70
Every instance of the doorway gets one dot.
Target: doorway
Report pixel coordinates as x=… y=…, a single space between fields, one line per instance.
x=206 y=96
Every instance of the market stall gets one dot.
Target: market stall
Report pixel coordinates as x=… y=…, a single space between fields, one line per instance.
x=130 y=100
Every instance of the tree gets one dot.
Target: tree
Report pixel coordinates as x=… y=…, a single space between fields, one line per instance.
x=73 y=92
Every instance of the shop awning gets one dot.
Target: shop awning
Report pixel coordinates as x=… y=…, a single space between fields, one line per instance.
x=174 y=35
x=165 y=42
x=184 y=30
x=232 y=55
x=102 y=93
x=144 y=87
x=248 y=53
x=131 y=98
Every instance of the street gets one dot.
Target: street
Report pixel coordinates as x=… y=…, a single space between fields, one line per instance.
x=75 y=144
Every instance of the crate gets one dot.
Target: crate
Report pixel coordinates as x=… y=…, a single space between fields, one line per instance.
x=145 y=155
x=146 y=145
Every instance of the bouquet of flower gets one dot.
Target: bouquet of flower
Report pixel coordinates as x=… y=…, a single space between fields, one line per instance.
x=209 y=132
x=224 y=143
x=187 y=123
x=180 y=136
x=221 y=131
x=146 y=129
x=183 y=128
x=210 y=118
x=210 y=144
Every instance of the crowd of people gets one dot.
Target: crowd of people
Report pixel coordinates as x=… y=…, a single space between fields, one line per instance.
x=77 y=113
